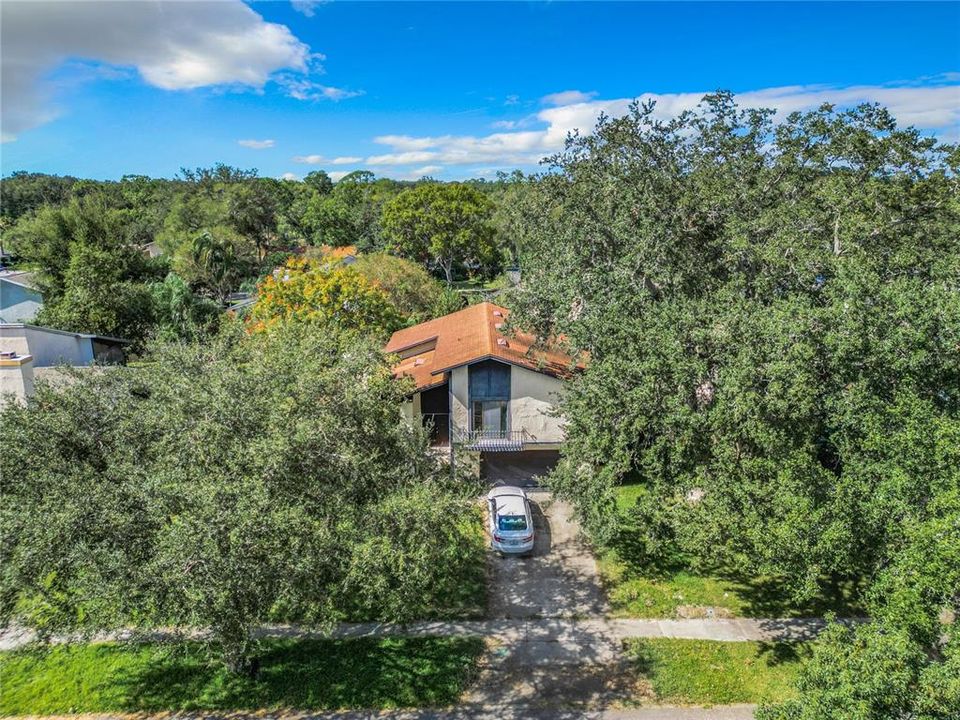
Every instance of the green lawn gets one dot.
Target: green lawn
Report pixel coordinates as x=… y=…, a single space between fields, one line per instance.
x=309 y=674
x=628 y=494
x=675 y=590
x=705 y=672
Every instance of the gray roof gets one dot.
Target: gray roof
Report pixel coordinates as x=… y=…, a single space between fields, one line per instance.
x=108 y=338
x=22 y=278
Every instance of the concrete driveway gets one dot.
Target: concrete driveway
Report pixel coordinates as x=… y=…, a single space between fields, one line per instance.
x=523 y=469
x=558 y=580
x=546 y=666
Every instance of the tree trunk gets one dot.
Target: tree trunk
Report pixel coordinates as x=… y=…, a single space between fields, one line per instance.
x=447 y=266
x=237 y=653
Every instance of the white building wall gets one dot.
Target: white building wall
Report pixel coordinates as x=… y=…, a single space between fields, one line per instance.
x=16 y=379
x=459 y=399
x=533 y=398
x=48 y=347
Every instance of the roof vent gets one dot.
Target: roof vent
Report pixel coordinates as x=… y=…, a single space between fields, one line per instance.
x=418 y=361
x=502 y=341
x=497 y=313
x=498 y=325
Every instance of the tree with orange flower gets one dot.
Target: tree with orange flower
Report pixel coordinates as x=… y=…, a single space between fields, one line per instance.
x=304 y=290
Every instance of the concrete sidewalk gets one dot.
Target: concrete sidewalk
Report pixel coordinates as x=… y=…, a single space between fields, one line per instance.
x=545 y=630
x=496 y=712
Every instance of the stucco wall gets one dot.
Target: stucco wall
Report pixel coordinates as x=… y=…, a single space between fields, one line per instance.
x=16 y=380
x=48 y=347
x=533 y=397
x=459 y=398
x=411 y=408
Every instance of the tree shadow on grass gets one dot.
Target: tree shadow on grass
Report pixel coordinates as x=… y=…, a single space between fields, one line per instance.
x=771 y=597
x=757 y=596
x=779 y=653
x=312 y=674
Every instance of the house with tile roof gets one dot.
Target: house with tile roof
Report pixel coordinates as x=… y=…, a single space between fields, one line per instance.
x=482 y=386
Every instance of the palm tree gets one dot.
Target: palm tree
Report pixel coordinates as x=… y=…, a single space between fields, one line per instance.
x=217 y=261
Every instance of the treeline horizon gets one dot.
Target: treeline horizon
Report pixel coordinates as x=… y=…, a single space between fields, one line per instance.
x=223 y=230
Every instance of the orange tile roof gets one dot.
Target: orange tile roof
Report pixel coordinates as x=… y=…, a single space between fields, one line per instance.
x=468 y=335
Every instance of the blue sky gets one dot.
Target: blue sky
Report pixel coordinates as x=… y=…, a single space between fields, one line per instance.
x=102 y=89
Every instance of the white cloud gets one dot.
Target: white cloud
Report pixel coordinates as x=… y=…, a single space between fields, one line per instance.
x=512 y=100
x=404 y=158
x=338 y=175
x=305 y=89
x=567 y=97
x=416 y=173
x=290 y=176
x=404 y=142
x=307 y=7
x=173 y=46
x=928 y=107
x=257 y=144
x=321 y=160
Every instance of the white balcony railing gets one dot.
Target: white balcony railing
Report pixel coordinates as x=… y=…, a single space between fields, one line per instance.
x=490 y=440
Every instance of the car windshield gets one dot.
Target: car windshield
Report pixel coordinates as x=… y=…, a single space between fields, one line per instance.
x=513 y=522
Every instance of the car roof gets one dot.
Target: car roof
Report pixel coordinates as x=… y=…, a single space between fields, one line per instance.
x=504 y=490
x=511 y=505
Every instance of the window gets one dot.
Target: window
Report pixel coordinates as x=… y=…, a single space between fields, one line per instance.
x=512 y=522
x=490 y=415
x=489 y=396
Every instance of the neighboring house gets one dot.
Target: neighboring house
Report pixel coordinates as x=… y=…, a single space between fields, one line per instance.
x=20 y=299
x=16 y=376
x=480 y=387
x=29 y=353
x=49 y=347
x=334 y=256
x=239 y=303
x=151 y=249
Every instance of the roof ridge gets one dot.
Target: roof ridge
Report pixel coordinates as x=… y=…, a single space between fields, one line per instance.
x=491 y=340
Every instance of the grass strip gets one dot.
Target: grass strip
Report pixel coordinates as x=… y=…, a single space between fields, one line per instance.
x=706 y=672
x=368 y=673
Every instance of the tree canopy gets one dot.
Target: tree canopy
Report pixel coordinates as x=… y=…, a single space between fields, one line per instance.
x=224 y=485
x=221 y=230
x=772 y=314
x=443 y=224
x=304 y=290
x=93 y=279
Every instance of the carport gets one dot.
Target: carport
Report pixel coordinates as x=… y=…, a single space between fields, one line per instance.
x=517 y=468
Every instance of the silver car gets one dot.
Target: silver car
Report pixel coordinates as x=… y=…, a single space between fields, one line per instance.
x=511 y=522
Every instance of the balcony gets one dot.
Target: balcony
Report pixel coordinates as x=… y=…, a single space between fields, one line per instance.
x=490 y=440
